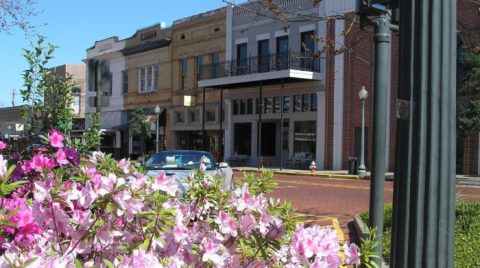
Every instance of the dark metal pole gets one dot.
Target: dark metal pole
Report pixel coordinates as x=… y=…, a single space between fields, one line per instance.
x=203 y=123
x=220 y=134
x=377 y=182
x=424 y=184
x=156 y=140
x=281 y=124
x=259 y=130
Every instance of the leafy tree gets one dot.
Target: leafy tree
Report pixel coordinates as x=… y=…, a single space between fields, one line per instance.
x=469 y=118
x=48 y=96
x=138 y=124
x=15 y=13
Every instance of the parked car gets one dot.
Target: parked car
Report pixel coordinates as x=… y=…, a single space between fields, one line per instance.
x=179 y=164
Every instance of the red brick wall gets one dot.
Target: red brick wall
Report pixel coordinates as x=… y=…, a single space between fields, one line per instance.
x=358 y=71
x=330 y=75
x=468 y=28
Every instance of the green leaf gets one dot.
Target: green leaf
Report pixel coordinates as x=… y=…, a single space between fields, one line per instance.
x=30 y=261
x=78 y=264
x=108 y=263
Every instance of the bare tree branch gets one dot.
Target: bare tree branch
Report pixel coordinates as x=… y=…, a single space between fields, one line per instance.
x=16 y=13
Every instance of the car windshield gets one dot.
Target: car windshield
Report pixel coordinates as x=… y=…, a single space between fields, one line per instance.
x=180 y=160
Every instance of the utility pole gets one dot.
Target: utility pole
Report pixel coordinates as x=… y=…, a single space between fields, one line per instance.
x=14 y=93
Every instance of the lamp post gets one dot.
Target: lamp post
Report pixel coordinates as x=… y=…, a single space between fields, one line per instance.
x=362 y=170
x=157 y=112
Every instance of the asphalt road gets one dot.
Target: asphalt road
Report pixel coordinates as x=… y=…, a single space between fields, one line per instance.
x=334 y=202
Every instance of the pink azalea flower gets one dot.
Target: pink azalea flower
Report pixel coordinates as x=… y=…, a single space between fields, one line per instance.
x=142 y=259
x=180 y=233
x=124 y=165
x=3 y=167
x=166 y=184
x=56 y=139
x=352 y=255
x=211 y=251
x=3 y=145
x=61 y=157
x=41 y=162
x=227 y=224
x=247 y=224
x=202 y=167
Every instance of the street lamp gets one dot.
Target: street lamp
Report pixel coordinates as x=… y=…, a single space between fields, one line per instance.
x=157 y=112
x=362 y=170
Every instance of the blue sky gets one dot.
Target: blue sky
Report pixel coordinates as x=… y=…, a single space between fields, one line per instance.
x=75 y=25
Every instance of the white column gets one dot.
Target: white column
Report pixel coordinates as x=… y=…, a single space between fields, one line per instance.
x=228 y=149
x=321 y=129
x=338 y=97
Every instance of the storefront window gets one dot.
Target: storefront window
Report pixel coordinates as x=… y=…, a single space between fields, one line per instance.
x=268 y=105
x=305 y=139
x=276 y=104
x=298 y=103
x=314 y=102
x=243 y=106
x=286 y=104
x=306 y=103
x=235 y=107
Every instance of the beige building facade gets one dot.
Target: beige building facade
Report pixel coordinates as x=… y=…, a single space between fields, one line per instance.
x=195 y=114
x=147 y=83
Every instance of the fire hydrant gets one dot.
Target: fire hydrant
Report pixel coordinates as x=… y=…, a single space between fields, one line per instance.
x=313 y=167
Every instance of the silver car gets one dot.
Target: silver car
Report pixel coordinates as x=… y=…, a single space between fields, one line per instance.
x=179 y=163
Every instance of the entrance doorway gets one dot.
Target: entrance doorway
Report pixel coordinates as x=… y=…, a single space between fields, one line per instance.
x=242 y=139
x=269 y=139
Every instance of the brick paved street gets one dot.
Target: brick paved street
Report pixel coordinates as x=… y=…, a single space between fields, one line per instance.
x=326 y=200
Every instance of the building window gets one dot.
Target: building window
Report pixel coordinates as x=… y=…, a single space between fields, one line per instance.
x=210 y=115
x=249 y=106
x=183 y=73
x=281 y=56
x=243 y=106
x=199 y=61
x=297 y=99
x=259 y=105
x=286 y=104
x=235 y=107
x=314 y=102
x=263 y=56
x=215 y=64
x=193 y=116
x=110 y=86
x=147 y=78
x=125 y=82
x=306 y=103
x=179 y=117
x=268 y=105
x=276 y=104
x=307 y=48
x=241 y=59
x=304 y=139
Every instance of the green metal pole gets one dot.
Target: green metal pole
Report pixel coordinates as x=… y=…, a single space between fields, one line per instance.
x=424 y=184
x=377 y=182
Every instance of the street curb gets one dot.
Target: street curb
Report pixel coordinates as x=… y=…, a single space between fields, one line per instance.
x=360 y=227
x=361 y=231
x=324 y=175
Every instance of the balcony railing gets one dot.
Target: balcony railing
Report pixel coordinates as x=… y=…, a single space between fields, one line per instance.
x=262 y=64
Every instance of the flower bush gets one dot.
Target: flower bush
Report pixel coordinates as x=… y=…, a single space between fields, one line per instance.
x=58 y=211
